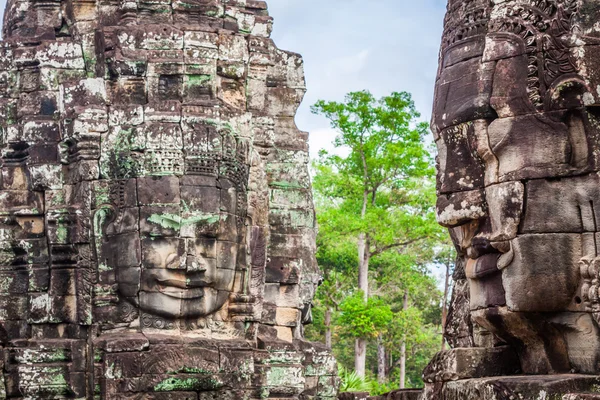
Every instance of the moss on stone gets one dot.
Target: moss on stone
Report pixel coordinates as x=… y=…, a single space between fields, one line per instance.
x=171 y=221
x=198 y=80
x=192 y=384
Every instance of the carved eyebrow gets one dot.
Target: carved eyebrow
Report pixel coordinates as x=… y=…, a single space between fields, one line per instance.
x=172 y=221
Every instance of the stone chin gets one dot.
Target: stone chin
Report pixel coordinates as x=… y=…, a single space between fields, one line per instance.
x=535 y=273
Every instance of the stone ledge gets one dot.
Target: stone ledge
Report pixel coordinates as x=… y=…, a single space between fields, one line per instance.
x=353 y=396
x=542 y=387
x=404 y=394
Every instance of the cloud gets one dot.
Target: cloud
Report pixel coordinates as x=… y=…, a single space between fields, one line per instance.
x=349 y=65
x=323 y=139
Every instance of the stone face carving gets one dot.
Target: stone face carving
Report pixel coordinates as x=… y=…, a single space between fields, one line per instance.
x=516 y=124
x=157 y=226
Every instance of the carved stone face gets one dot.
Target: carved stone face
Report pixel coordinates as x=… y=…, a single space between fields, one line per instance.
x=188 y=258
x=517 y=131
x=191 y=236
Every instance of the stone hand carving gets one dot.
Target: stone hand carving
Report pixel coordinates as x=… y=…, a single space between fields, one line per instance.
x=516 y=124
x=157 y=226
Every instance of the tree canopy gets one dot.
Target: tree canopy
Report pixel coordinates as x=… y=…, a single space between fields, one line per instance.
x=378 y=235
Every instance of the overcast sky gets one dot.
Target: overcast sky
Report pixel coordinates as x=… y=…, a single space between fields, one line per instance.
x=348 y=45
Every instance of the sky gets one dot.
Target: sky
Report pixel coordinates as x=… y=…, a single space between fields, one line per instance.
x=349 y=45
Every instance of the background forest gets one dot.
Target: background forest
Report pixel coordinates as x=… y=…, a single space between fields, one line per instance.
x=379 y=308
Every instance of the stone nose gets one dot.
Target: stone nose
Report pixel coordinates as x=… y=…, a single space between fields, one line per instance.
x=190 y=263
x=463 y=235
x=460 y=208
x=175 y=261
x=196 y=264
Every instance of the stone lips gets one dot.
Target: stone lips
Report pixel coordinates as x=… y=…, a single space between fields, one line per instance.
x=154 y=201
x=516 y=124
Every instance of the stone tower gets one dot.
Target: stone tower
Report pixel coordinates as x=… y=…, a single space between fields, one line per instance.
x=517 y=124
x=156 y=220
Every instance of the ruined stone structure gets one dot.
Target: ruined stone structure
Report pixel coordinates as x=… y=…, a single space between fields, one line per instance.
x=517 y=124
x=157 y=227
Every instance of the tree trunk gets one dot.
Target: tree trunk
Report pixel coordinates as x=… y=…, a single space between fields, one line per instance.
x=403 y=365
x=363 y=266
x=328 y=327
x=403 y=349
x=381 y=361
x=363 y=253
x=360 y=357
x=445 y=305
x=360 y=347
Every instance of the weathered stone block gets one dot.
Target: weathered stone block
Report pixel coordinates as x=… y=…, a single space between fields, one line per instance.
x=485 y=282
x=160 y=220
x=461 y=207
x=158 y=190
x=283 y=270
x=505 y=207
x=353 y=396
x=284 y=333
x=509 y=145
x=562 y=206
x=21 y=202
x=406 y=394
x=13 y=307
x=525 y=386
x=123 y=251
x=287 y=316
x=463 y=91
x=543 y=273
x=466 y=363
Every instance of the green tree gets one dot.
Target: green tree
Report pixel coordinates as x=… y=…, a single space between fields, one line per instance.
x=404 y=280
x=365 y=319
x=378 y=196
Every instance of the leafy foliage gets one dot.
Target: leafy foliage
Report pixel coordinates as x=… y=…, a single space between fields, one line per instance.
x=365 y=319
x=383 y=189
x=385 y=147
x=351 y=382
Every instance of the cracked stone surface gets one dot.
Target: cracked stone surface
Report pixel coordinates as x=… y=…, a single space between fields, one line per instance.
x=157 y=228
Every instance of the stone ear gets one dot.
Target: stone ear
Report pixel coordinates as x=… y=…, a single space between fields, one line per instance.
x=103 y=216
x=568 y=93
x=501 y=45
x=565 y=101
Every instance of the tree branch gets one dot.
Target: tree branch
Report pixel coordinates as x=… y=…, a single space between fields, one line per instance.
x=395 y=245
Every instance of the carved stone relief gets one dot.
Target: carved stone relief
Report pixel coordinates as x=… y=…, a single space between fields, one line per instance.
x=516 y=124
x=156 y=220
